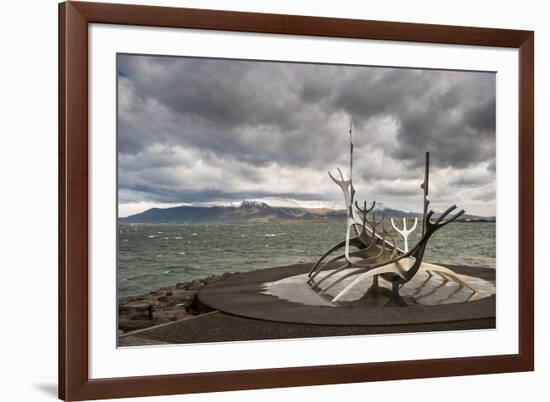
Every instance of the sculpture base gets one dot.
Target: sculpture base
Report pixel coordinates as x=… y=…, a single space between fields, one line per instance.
x=281 y=294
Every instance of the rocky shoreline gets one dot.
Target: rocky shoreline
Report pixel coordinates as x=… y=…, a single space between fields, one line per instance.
x=170 y=303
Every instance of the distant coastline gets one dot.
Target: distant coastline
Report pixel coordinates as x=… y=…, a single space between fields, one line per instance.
x=250 y=211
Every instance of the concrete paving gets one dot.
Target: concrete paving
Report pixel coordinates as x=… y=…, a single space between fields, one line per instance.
x=220 y=327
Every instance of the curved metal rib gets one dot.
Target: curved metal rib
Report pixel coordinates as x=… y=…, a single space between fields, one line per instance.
x=377 y=271
x=333 y=249
x=339 y=257
x=332 y=273
x=373 y=267
x=383 y=247
x=450 y=274
x=360 y=236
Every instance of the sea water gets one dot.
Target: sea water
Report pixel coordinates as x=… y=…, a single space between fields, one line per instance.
x=151 y=256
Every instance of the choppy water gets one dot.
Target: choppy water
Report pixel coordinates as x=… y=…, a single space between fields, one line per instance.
x=151 y=256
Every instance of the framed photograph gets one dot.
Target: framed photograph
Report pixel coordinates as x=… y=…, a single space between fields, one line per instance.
x=258 y=200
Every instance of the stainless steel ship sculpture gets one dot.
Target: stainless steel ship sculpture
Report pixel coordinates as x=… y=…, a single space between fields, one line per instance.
x=371 y=252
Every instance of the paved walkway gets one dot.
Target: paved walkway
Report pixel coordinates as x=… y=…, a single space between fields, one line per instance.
x=221 y=327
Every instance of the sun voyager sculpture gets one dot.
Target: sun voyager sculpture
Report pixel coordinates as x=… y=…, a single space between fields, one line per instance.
x=371 y=251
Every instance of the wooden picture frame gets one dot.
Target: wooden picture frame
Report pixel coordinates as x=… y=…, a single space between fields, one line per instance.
x=74 y=381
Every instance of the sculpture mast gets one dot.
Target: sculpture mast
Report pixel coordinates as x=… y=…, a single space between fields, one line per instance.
x=425 y=187
x=350 y=148
x=352 y=190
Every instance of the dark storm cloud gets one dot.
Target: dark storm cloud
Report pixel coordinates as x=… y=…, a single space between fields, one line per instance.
x=452 y=113
x=202 y=129
x=255 y=106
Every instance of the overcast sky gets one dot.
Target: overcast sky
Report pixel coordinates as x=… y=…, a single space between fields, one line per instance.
x=207 y=131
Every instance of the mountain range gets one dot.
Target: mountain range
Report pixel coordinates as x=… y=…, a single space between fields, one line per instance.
x=254 y=211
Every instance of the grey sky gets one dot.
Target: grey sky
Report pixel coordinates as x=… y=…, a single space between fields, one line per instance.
x=205 y=131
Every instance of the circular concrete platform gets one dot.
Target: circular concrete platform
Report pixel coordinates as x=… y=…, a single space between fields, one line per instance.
x=255 y=295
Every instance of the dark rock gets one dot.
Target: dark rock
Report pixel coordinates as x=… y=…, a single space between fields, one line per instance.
x=141 y=315
x=192 y=306
x=163 y=305
x=132 y=325
x=195 y=285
